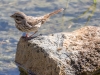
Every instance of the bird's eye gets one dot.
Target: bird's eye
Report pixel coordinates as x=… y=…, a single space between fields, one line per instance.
x=16 y=16
x=21 y=17
x=17 y=19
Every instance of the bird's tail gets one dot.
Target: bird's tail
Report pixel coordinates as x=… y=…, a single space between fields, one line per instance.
x=51 y=14
x=54 y=12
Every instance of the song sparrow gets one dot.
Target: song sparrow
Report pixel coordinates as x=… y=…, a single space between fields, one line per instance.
x=28 y=24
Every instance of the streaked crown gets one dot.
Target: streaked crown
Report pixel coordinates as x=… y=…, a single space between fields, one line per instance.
x=18 y=15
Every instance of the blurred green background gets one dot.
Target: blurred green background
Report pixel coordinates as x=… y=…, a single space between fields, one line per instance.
x=77 y=13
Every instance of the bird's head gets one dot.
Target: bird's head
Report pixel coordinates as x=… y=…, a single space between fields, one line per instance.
x=18 y=16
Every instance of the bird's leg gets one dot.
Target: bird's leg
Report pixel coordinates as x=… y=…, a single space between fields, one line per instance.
x=33 y=34
x=25 y=35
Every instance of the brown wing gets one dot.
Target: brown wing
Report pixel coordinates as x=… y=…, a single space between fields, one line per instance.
x=35 y=20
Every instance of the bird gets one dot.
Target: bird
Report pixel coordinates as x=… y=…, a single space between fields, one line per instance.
x=29 y=24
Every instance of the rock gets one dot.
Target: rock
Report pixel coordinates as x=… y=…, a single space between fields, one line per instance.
x=66 y=53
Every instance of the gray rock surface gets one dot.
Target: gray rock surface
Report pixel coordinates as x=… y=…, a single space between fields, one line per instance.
x=66 y=53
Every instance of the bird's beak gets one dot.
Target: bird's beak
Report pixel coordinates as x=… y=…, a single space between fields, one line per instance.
x=12 y=16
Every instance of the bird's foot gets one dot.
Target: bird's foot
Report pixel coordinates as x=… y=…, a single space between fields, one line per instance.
x=29 y=37
x=35 y=36
x=25 y=36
